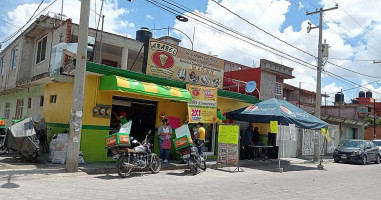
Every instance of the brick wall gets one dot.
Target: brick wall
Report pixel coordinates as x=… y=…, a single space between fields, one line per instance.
x=368 y=134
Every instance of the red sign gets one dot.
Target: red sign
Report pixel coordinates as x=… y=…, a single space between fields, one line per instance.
x=163 y=59
x=174 y=122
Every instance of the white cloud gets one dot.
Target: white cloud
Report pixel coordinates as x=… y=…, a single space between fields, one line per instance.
x=149 y=17
x=270 y=15
x=114 y=16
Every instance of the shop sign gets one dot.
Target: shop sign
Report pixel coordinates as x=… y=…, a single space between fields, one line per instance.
x=228 y=136
x=274 y=126
x=203 y=107
x=171 y=61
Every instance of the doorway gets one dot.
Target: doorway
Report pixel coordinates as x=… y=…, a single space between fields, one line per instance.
x=142 y=113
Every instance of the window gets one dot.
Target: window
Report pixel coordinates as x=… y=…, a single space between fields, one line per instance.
x=41 y=49
x=278 y=88
x=7 y=110
x=19 y=108
x=2 y=65
x=42 y=101
x=15 y=54
x=29 y=102
x=53 y=98
x=369 y=109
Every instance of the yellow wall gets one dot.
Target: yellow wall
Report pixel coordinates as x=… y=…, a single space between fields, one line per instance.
x=58 y=112
x=227 y=105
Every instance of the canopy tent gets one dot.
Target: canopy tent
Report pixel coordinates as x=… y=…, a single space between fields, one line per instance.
x=117 y=83
x=277 y=110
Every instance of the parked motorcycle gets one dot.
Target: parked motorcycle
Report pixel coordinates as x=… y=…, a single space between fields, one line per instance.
x=137 y=156
x=194 y=160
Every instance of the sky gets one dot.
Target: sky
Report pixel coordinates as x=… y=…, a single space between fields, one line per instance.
x=354 y=36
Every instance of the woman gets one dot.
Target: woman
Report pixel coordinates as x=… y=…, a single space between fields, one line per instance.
x=164 y=132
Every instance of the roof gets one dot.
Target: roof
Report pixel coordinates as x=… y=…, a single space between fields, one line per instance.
x=291 y=87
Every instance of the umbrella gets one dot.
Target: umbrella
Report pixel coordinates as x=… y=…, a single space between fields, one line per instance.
x=277 y=110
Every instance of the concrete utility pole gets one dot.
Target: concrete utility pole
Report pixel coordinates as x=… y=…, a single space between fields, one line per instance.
x=319 y=68
x=374 y=119
x=78 y=94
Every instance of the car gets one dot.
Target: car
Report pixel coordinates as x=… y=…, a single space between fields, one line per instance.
x=362 y=151
x=378 y=143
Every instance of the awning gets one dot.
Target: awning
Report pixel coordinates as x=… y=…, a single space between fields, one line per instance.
x=117 y=83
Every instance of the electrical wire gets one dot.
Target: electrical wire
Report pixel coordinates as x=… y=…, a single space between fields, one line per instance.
x=14 y=34
x=356 y=87
x=9 y=23
x=301 y=62
x=20 y=29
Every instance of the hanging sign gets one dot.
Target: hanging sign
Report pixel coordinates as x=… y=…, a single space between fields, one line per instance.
x=325 y=133
x=228 y=144
x=274 y=126
x=203 y=107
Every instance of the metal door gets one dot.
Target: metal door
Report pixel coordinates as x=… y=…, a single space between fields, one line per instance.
x=308 y=142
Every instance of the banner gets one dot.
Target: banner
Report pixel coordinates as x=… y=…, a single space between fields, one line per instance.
x=203 y=107
x=228 y=136
x=174 y=62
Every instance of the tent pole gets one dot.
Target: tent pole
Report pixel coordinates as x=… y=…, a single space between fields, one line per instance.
x=279 y=146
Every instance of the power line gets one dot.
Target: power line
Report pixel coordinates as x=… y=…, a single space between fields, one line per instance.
x=43 y=10
x=356 y=87
x=9 y=23
x=358 y=23
x=301 y=62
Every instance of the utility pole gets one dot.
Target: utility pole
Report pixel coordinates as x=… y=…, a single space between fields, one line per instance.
x=374 y=119
x=319 y=69
x=78 y=94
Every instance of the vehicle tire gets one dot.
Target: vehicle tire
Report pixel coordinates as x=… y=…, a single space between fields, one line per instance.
x=201 y=163
x=156 y=164
x=336 y=160
x=192 y=166
x=364 y=160
x=123 y=171
x=377 y=160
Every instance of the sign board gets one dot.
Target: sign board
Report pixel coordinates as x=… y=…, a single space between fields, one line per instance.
x=174 y=122
x=126 y=128
x=174 y=62
x=228 y=144
x=203 y=107
x=274 y=126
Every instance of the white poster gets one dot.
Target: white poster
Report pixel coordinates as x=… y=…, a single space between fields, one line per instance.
x=182 y=130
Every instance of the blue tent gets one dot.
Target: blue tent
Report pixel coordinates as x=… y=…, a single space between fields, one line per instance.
x=277 y=110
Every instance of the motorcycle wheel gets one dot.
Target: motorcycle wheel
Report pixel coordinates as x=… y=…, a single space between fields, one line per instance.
x=201 y=163
x=123 y=171
x=192 y=165
x=156 y=164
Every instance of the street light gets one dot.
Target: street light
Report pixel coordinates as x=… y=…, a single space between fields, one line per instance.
x=168 y=28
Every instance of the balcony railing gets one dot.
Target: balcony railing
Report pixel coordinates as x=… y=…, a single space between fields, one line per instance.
x=238 y=86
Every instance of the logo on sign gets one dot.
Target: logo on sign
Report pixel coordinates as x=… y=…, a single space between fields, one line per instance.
x=208 y=93
x=163 y=59
x=195 y=92
x=251 y=108
x=287 y=111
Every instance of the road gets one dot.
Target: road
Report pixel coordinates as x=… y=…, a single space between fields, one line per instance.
x=301 y=181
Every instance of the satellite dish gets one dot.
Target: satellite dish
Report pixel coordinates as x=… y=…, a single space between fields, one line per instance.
x=250 y=86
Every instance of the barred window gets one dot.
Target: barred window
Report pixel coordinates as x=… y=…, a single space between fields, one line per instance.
x=278 y=88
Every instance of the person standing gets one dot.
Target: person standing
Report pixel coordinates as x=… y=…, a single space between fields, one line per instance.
x=248 y=141
x=164 y=132
x=201 y=136
x=256 y=136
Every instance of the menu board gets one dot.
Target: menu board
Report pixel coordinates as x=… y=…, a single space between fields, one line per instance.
x=228 y=136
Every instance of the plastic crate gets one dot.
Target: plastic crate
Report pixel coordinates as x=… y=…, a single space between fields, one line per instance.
x=118 y=140
x=182 y=142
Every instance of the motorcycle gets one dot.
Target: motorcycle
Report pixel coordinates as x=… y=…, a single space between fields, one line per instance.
x=194 y=160
x=137 y=156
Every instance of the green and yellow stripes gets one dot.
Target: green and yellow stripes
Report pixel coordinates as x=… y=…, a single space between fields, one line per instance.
x=116 y=83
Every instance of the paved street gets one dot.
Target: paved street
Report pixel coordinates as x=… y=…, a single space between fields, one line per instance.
x=301 y=181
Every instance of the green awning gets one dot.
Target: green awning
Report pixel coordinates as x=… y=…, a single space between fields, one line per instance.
x=117 y=83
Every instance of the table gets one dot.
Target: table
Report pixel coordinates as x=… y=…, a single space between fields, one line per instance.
x=265 y=150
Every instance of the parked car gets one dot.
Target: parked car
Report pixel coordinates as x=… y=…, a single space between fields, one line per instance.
x=362 y=151
x=378 y=143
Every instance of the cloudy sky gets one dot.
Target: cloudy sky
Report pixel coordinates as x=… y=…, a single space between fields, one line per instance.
x=353 y=31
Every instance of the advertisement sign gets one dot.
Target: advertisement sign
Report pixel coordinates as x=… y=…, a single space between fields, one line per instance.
x=228 y=136
x=174 y=62
x=274 y=126
x=203 y=107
